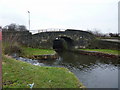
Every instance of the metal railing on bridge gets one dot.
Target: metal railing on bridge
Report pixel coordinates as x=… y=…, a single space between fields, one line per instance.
x=46 y=30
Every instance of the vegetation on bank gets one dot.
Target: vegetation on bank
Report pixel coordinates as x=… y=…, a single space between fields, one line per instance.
x=27 y=51
x=109 y=51
x=18 y=74
x=10 y=48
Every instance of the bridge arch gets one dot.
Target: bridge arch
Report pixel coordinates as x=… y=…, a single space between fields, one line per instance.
x=63 y=43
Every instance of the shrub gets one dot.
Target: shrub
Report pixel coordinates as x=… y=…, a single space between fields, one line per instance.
x=10 y=43
x=12 y=48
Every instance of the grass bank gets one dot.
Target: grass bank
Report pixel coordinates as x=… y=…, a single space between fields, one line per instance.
x=108 y=51
x=27 y=51
x=18 y=74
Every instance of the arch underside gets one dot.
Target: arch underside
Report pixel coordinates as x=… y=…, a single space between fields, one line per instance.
x=63 y=43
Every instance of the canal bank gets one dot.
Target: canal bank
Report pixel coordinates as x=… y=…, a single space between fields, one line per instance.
x=39 y=54
x=97 y=53
x=17 y=74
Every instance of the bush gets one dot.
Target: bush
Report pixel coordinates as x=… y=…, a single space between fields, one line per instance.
x=11 y=49
x=10 y=44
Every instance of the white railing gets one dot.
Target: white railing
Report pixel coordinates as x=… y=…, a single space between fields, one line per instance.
x=46 y=30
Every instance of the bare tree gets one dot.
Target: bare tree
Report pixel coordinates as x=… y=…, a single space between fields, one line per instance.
x=96 y=32
x=22 y=28
x=14 y=27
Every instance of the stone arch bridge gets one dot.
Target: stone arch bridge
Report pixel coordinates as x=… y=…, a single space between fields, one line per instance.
x=62 y=39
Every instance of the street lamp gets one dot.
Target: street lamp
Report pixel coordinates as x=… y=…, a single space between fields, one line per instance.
x=29 y=19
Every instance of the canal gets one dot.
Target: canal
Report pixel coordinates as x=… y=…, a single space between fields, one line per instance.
x=92 y=71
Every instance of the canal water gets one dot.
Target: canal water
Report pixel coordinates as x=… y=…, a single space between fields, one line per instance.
x=92 y=71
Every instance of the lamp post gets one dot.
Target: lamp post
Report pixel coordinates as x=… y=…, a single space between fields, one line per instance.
x=29 y=19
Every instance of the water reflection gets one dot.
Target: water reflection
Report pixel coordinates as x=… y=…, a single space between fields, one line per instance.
x=94 y=72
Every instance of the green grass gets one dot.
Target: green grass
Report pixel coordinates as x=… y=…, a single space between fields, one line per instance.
x=18 y=74
x=34 y=51
x=114 y=52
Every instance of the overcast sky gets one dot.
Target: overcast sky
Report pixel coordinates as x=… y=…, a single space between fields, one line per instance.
x=65 y=14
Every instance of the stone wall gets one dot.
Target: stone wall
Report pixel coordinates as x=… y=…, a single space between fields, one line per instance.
x=80 y=38
x=101 y=44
